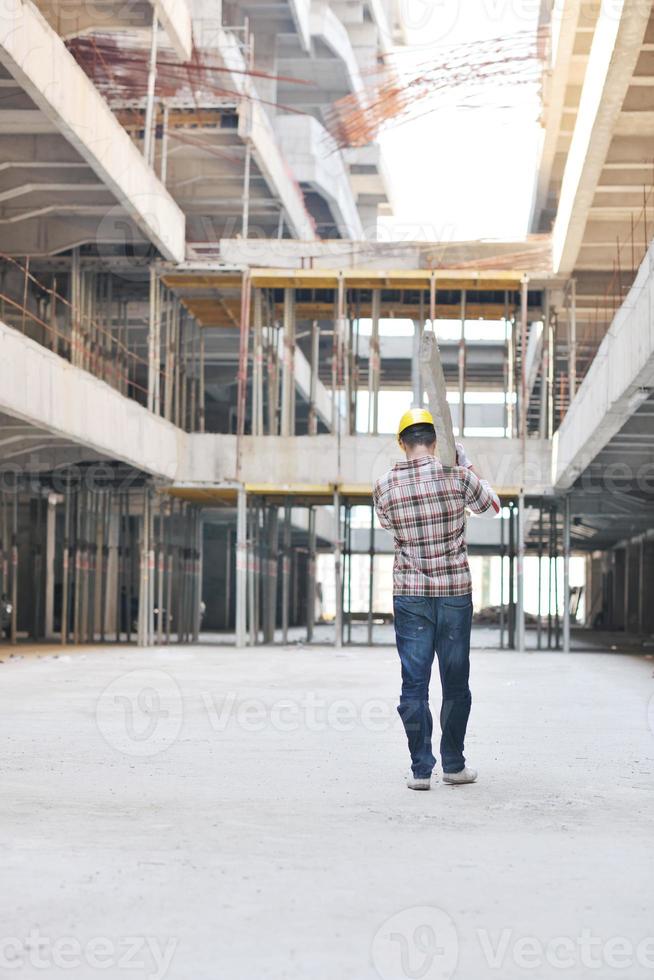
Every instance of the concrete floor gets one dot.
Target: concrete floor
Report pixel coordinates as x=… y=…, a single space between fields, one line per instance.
x=209 y=814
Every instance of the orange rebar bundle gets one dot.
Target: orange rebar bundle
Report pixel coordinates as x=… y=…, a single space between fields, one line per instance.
x=402 y=88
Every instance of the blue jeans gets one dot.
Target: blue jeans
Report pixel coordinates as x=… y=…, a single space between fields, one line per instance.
x=424 y=625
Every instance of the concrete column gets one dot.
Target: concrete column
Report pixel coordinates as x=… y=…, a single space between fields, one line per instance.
x=241 y=567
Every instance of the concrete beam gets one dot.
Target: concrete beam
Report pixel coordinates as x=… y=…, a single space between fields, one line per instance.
x=354 y=461
x=564 y=31
x=175 y=18
x=620 y=378
x=316 y=161
x=613 y=56
x=46 y=391
x=38 y=59
x=332 y=32
x=254 y=124
x=58 y=228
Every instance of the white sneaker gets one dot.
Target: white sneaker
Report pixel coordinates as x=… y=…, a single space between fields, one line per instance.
x=458 y=778
x=413 y=783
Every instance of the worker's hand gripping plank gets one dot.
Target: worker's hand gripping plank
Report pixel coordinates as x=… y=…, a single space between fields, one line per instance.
x=434 y=382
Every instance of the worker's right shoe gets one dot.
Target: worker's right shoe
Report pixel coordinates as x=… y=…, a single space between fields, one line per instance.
x=414 y=783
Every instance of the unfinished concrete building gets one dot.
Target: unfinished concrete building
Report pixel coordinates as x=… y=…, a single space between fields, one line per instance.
x=206 y=342
x=197 y=330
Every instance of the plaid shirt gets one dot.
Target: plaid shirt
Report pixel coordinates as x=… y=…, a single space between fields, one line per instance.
x=424 y=506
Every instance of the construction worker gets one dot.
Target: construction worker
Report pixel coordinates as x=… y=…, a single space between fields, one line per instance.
x=423 y=504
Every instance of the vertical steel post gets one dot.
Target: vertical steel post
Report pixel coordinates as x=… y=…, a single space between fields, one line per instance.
x=50 y=534
x=245 y=228
x=244 y=343
x=550 y=375
x=241 y=567
x=144 y=578
x=65 y=565
x=251 y=618
x=315 y=364
x=153 y=346
x=641 y=585
x=201 y=386
x=502 y=549
x=520 y=570
x=75 y=303
x=371 y=591
x=506 y=366
x=416 y=377
x=462 y=367
x=163 y=163
x=257 y=364
x=510 y=372
x=566 y=574
x=311 y=577
x=338 y=591
x=572 y=355
x=348 y=557
x=544 y=371
x=288 y=368
x=286 y=571
x=160 y=574
x=557 y=622
x=149 y=127
x=13 y=628
x=540 y=575
x=524 y=296
x=270 y=617
x=550 y=578
x=374 y=365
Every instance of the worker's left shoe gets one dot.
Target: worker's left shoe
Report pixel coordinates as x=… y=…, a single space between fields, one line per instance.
x=413 y=782
x=458 y=778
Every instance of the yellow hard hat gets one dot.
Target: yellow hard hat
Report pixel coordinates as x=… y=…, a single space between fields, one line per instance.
x=414 y=416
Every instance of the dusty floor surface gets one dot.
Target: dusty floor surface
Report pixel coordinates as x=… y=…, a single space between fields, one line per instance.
x=209 y=814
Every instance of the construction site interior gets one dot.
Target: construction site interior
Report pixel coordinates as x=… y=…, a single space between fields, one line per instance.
x=224 y=296
x=208 y=334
